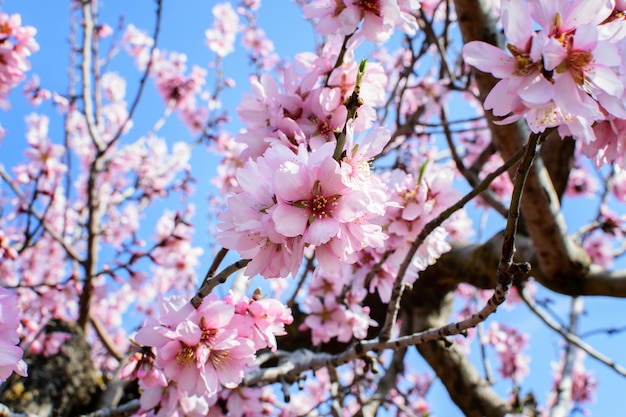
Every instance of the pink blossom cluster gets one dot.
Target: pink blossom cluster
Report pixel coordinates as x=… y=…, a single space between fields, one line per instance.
x=44 y=157
x=335 y=308
x=192 y=354
x=261 y=48
x=296 y=188
x=414 y=199
x=509 y=344
x=418 y=385
x=179 y=90
x=307 y=106
x=289 y=200
x=221 y=37
x=17 y=43
x=10 y=354
x=379 y=17
x=175 y=260
x=566 y=74
x=34 y=93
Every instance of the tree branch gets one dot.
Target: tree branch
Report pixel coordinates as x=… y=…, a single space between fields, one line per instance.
x=570 y=337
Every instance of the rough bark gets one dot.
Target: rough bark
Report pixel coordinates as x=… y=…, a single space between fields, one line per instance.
x=64 y=384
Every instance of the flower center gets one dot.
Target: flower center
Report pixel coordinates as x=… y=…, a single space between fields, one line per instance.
x=575 y=63
x=369 y=6
x=320 y=206
x=185 y=354
x=219 y=358
x=524 y=65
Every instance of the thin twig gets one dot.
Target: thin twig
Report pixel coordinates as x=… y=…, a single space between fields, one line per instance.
x=58 y=238
x=470 y=176
x=124 y=410
x=144 y=78
x=563 y=403
x=211 y=282
x=571 y=338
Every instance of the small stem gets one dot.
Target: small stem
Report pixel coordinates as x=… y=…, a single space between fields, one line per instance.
x=352 y=103
x=211 y=282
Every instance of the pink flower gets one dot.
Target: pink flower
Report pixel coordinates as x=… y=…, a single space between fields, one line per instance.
x=509 y=344
x=113 y=86
x=261 y=320
x=581 y=183
x=326 y=319
x=221 y=37
x=600 y=248
x=379 y=17
x=610 y=144
x=261 y=49
x=314 y=202
x=584 y=383
x=138 y=44
x=248 y=227
x=10 y=354
x=196 y=348
x=17 y=43
x=566 y=74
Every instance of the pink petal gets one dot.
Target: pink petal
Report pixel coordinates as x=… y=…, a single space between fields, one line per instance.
x=489 y=58
x=517 y=22
x=290 y=221
x=321 y=231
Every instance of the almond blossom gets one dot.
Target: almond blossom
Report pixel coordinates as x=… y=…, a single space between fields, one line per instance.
x=10 y=354
x=565 y=75
x=379 y=17
x=509 y=344
x=221 y=37
x=17 y=43
x=196 y=348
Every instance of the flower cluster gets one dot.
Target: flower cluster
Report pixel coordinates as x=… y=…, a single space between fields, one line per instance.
x=221 y=37
x=413 y=201
x=567 y=74
x=17 y=43
x=289 y=200
x=191 y=354
x=379 y=17
x=335 y=308
x=509 y=343
x=584 y=383
x=179 y=90
x=308 y=107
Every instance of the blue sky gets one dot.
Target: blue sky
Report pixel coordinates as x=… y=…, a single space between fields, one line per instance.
x=183 y=29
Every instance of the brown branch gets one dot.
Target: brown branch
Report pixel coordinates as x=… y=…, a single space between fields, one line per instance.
x=570 y=337
x=57 y=237
x=213 y=281
x=471 y=176
x=104 y=338
x=144 y=78
x=88 y=29
x=124 y=410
